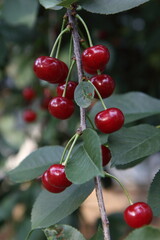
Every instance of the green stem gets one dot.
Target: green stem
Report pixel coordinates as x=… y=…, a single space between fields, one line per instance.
x=71 y=148
x=90 y=121
x=99 y=95
x=122 y=186
x=60 y=40
x=29 y=234
x=66 y=147
x=87 y=31
x=57 y=40
x=68 y=76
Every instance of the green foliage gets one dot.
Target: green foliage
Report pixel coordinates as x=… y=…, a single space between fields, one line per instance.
x=50 y=4
x=110 y=7
x=144 y=233
x=60 y=232
x=50 y=208
x=154 y=195
x=66 y=3
x=26 y=14
x=99 y=235
x=84 y=94
x=36 y=163
x=130 y=144
x=135 y=105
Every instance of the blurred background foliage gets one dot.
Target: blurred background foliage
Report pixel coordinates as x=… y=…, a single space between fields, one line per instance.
x=29 y=31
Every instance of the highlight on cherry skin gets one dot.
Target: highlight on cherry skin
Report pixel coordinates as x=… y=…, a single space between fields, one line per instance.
x=138 y=215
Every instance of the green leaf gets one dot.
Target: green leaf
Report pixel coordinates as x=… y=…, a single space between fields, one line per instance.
x=133 y=143
x=66 y=3
x=110 y=7
x=84 y=94
x=20 y=12
x=99 y=235
x=60 y=232
x=135 y=105
x=36 y=163
x=145 y=233
x=154 y=195
x=50 y=208
x=50 y=4
x=86 y=162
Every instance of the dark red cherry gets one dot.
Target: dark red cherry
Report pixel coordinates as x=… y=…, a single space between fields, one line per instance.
x=104 y=84
x=48 y=186
x=61 y=107
x=69 y=91
x=57 y=176
x=106 y=155
x=44 y=102
x=29 y=116
x=95 y=58
x=28 y=93
x=138 y=215
x=50 y=69
x=109 y=120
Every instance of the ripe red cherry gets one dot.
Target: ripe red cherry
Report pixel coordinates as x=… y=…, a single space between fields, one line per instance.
x=106 y=155
x=109 y=120
x=57 y=176
x=29 y=116
x=95 y=58
x=28 y=93
x=138 y=215
x=48 y=186
x=69 y=91
x=104 y=84
x=50 y=69
x=61 y=107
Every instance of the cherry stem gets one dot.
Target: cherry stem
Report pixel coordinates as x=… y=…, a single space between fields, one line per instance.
x=66 y=147
x=71 y=148
x=68 y=76
x=90 y=121
x=99 y=95
x=87 y=31
x=98 y=72
x=57 y=40
x=28 y=235
x=60 y=39
x=122 y=186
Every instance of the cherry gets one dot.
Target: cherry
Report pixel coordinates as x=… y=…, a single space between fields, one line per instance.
x=69 y=91
x=29 y=116
x=44 y=102
x=138 y=215
x=104 y=84
x=57 y=176
x=61 y=107
x=50 y=69
x=95 y=58
x=109 y=120
x=28 y=93
x=106 y=155
x=48 y=186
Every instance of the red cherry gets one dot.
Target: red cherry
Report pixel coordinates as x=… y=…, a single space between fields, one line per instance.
x=95 y=58
x=48 y=186
x=104 y=84
x=45 y=101
x=29 y=116
x=28 y=93
x=69 y=91
x=106 y=155
x=50 y=69
x=57 y=176
x=138 y=215
x=61 y=107
x=109 y=120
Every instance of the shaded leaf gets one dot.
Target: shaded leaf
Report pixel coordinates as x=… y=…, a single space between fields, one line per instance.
x=84 y=94
x=66 y=3
x=50 y=4
x=145 y=233
x=99 y=235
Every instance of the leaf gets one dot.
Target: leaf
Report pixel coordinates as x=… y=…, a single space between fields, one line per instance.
x=110 y=7
x=36 y=163
x=133 y=143
x=135 y=105
x=59 y=232
x=50 y=4
x=84 y=94
x=144 y=233
x=86 y=162
x=154 y=195
x=99 y=235
x=20 y=12
x=50 y=208
x=66 y=3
